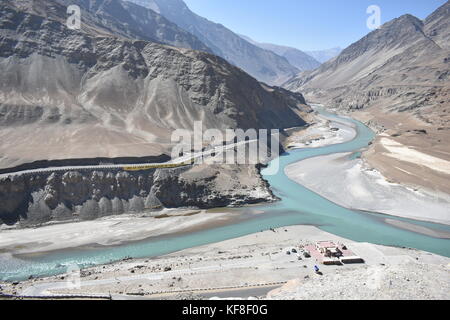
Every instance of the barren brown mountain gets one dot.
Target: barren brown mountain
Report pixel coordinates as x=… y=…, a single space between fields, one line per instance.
x=396 y=79
x=118 y=86
x=265 y=65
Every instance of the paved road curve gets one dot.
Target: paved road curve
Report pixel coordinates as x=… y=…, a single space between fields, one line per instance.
x=185 y=160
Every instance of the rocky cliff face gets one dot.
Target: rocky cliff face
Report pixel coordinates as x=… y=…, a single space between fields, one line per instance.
x=264 y=65
x=99 y=92
x=90 y=194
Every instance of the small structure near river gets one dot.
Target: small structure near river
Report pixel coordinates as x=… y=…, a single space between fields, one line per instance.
x=330 y=253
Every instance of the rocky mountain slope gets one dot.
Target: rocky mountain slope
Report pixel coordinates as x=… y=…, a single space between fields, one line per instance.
x=115 y=18
x=396 y=79
x=262 y=64
x=404 y=55
x=295 y=57
x=106 y=90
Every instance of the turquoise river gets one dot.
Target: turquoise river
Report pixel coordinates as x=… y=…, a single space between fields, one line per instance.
x=298 y=206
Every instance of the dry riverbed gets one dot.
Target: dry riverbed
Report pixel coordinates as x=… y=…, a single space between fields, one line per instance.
x=112 y=230
x=408 y=150
x=324 y=131
x=353 y=184
x=350 y=181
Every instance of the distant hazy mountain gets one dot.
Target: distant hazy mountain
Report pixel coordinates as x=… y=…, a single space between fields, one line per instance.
x=324 y=55
x=99 y=92
x=296 y=57
x=262 y=64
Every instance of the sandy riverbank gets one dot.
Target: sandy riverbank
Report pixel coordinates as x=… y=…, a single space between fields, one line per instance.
x=112 y=230
x=408 y=150
x=352 y=183
x=324 y=131
x=254 y=261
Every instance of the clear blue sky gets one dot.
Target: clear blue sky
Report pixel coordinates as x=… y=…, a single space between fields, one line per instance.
x=306 y=24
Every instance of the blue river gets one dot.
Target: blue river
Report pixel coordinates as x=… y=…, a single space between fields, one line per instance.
x=298 y=206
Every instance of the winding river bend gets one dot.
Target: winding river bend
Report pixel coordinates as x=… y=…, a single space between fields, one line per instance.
x=298 y=206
